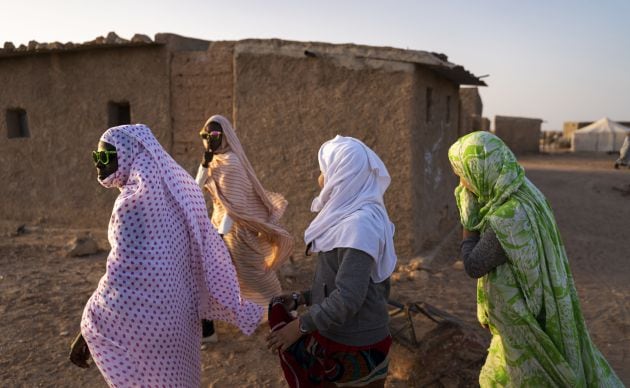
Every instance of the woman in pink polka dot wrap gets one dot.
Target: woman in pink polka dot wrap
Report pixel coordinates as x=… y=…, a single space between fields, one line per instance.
x=167 y=269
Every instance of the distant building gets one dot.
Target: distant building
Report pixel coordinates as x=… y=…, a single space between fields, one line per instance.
x=471 y=112
x=521 y=134
x=285 y=99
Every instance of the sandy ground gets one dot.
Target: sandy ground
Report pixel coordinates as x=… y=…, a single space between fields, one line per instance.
x=42 y=292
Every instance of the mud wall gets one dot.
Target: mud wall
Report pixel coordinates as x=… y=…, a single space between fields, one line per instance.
x=434 y=210
x=50 y=175
x=284 y=101
x=471 y=110
x=286 y=106
x=201 y=86
x=521 y=134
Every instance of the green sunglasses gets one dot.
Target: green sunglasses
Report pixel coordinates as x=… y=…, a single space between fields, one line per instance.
x=209 y=135
x=102 y=156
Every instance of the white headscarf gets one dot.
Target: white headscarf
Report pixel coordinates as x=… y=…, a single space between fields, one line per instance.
x=350 y=205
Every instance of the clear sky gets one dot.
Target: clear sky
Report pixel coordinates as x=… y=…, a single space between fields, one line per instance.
x=557 y=60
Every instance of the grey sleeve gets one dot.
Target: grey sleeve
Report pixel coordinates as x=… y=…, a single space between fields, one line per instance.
x=352 y=282
x=482 y=255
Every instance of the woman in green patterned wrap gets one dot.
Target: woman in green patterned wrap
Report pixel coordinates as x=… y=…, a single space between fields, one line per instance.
x=529 y=303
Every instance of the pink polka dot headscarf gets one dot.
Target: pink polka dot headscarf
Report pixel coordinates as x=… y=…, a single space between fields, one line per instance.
x=167 y=269
x=146 y=172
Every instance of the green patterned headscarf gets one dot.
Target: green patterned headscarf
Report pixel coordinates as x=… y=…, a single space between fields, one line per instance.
x=530 y=303
x=491 y=171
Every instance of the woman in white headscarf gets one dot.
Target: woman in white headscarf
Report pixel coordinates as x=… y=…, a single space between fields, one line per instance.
x=343 y=338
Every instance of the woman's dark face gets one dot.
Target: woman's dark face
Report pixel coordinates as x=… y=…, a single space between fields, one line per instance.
x=216 y=136
x=106 y=169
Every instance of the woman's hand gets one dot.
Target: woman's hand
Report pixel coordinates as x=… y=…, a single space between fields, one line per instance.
x=79 y=352
x=283 y=338
x=207 y=158
x=469 y=233
x=466 y=185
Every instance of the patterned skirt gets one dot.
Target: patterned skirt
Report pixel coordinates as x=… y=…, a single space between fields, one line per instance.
x=315 y=359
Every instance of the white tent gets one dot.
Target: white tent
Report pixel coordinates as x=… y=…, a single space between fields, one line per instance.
x=603 y=135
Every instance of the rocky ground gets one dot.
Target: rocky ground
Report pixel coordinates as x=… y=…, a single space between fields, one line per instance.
x=43 y=291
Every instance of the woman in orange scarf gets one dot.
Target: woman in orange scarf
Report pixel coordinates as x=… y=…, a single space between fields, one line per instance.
x=244 y=212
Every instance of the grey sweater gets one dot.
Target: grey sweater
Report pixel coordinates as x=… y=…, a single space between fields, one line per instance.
x=346 y=306
x=482 y=255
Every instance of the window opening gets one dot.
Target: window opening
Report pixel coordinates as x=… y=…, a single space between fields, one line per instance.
x=118 y=113
x=17 y=123
x=429 y=103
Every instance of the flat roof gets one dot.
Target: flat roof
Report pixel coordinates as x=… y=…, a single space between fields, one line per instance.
x=110 y=41
x=434 y=61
